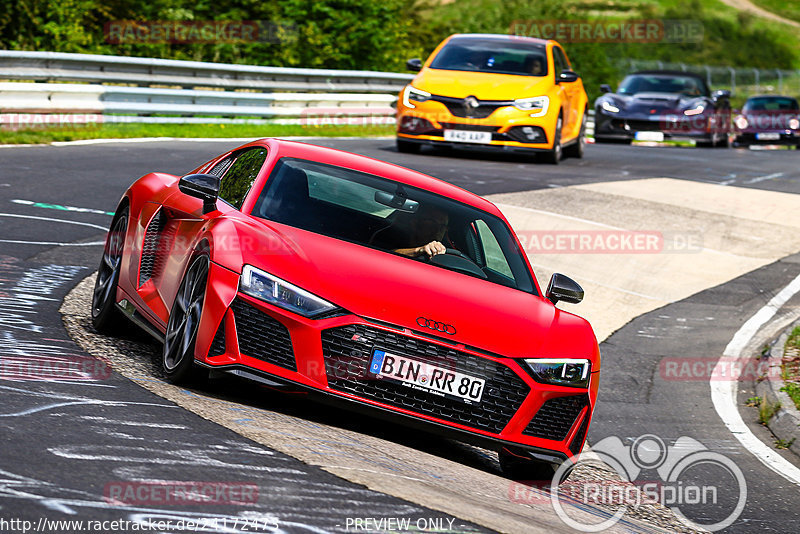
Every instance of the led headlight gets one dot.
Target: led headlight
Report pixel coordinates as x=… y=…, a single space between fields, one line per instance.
x=263 y=286
x=412 y=93
x=561 y=371
x=695 y=111
x=794 y=124
x=741 y=122
x=537 y=105
x=607 y=106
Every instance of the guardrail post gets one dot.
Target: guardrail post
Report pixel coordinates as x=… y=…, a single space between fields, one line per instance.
x=780 y=80
x=758 y=87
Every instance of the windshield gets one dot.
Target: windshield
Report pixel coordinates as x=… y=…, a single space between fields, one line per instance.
x=771 y=103
x=381 y=214
x=663 y=83
x=499 y=56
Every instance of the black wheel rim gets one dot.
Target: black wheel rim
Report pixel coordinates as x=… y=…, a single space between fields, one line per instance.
x=184 y=319
x=108 y=273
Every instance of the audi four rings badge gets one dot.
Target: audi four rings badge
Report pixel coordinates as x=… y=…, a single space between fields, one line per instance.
x=436 y=325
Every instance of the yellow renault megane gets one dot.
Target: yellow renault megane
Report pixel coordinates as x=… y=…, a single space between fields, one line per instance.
x=503 y=92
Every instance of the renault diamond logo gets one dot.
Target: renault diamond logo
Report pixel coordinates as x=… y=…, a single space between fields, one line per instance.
x=471 y=102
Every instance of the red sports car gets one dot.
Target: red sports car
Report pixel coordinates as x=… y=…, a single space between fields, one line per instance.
x=288 y=263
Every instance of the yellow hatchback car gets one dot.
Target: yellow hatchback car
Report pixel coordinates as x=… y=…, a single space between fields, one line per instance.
x=503 y=92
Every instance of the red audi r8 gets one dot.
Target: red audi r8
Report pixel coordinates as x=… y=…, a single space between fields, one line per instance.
x=288 y=263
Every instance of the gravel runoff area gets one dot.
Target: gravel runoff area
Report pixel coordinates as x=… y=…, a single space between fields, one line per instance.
x=137 y=357
x=777 y=409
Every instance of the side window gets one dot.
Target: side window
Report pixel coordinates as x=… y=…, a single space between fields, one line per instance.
x=238 y=179
x=495 y=259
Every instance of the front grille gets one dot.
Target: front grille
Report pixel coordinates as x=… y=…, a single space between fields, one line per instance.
x=347 y=351
x=556 y=417
x=639 y=125
x=262 y=337
x=150 y=248
x=458 y=109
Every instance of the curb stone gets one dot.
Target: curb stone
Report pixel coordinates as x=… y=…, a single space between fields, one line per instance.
x=785 y=424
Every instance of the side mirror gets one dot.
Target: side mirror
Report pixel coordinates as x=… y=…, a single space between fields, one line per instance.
x=568 y=76
x=202 y=186
x=564 y=288
x=605 y=88
x=414 y=64
x=723 y=93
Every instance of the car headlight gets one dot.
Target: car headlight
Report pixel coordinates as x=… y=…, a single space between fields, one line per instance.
x=608 y=106
x=263 y=286
x=561 y=371
x=741 y=122
x=412 y=93
x=697 y=110
x=794 y=124
x=537 y=105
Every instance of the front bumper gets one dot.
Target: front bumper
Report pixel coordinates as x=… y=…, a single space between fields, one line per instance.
x=331 y=357
x=511 y=130
x=791 y=138
x=614 y=126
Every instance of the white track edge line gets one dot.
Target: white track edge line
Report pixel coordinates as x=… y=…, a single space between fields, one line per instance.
x=723 y=393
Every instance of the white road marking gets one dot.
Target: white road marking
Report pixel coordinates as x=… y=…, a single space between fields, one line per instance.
x=52 y=243
x=758 y=179
x=50 y=219
x=723 y=393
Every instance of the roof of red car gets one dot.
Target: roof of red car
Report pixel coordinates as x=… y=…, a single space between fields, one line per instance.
x=391 y=171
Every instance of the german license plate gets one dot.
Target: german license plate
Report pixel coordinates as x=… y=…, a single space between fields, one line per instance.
x=426 y=377
x=768 y=136
x=468 y=136
x=649 y=136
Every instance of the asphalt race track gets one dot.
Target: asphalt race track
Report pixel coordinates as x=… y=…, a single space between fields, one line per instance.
x=72 y=441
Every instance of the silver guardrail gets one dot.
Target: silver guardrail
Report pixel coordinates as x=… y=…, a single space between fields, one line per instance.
x=131 y=89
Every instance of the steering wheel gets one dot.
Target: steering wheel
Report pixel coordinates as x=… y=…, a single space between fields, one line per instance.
x=456 y=260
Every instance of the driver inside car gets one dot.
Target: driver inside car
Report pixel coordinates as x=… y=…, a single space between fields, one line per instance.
x=421 y=235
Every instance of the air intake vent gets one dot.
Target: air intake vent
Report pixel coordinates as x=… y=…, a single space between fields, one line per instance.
x=151 y=247
x=556 y=416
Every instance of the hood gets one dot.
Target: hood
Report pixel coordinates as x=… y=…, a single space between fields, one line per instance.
x=398 y=290
x=482 y=85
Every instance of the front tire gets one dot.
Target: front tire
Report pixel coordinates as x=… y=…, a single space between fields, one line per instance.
x=106 y=318
x=553 y=156
x=184 y=322
x=577 y=149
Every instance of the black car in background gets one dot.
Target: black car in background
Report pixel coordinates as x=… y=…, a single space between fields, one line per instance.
x=768 y=120
x=658 y=105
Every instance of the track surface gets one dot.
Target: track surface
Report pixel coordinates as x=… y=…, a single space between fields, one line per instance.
x=67 y=445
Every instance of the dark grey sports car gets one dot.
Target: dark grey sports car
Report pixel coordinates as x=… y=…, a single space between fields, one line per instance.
x=658 y=105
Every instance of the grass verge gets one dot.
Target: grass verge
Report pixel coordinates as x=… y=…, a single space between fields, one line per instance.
x=788 y=9
x=123 y=131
